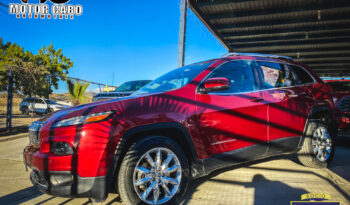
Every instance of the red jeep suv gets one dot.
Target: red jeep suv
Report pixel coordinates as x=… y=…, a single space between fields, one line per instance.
x=184 y=125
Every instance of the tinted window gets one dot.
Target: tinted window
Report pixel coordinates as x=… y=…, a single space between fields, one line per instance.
x=275 y=75
x=302 y=76
x=240 y=75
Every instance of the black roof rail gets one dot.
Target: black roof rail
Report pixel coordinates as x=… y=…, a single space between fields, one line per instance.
x=258 y=55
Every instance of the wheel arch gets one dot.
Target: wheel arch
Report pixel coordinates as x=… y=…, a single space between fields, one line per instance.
x=325 y=114
x=173 y=130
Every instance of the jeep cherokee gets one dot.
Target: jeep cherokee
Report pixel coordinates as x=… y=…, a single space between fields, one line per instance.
x=184 y=125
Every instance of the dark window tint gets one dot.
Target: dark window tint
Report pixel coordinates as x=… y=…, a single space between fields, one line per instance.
x=302 y=76
x=240 y=75
x=275 y=75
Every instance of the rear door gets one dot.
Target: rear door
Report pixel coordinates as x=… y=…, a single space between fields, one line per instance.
x=234 y=119
x=282 y=96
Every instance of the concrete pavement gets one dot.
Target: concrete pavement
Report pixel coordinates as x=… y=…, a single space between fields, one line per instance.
x=274 y=181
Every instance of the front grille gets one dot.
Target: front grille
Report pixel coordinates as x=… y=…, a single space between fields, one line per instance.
x=33 y=131
x=344 y=104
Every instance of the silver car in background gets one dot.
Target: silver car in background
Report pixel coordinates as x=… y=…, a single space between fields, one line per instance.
x=41 y=106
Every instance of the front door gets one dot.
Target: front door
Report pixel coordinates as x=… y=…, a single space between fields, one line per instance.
x=234 y=121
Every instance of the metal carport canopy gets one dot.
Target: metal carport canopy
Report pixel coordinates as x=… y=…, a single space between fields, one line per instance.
x=315 y=32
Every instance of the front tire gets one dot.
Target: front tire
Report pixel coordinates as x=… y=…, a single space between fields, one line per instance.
x=319 y=147
x=154 y=171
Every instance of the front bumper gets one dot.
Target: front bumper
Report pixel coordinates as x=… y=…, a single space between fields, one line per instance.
x=61 y=183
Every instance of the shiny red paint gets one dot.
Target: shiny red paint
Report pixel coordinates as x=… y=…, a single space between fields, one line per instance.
x=215 y=123
x=216 y=83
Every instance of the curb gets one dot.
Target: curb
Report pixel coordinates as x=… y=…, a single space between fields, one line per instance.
x=18 y=136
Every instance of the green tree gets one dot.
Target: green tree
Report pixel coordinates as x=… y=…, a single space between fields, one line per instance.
x=56 y=65
x=76 y=91
x=33 y=74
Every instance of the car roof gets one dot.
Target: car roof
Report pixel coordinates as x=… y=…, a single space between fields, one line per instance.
x=253 y=56
x=259 y=55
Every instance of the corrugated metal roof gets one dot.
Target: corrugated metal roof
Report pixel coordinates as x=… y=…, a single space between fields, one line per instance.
x=316 y=32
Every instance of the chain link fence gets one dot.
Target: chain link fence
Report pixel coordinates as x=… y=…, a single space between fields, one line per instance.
x=26 y=109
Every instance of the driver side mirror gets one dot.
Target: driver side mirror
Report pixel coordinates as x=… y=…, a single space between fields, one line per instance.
x=216 y=84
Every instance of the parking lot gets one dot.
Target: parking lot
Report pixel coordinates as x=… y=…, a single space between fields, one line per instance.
x=277 y=180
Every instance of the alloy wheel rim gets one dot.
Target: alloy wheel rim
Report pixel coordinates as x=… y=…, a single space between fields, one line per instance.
x=157 y=176
x=322 y=144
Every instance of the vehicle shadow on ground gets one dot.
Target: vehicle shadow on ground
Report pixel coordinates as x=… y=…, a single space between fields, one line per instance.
x=265 y=191
x=341 y=163
x=21 y=195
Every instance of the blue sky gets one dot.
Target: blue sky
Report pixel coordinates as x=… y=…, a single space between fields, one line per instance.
x=134 y=39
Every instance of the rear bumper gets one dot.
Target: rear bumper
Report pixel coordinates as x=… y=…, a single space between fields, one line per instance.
x=63 y=183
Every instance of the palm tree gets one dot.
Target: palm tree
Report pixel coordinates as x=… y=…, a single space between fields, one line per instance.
x=77 y=91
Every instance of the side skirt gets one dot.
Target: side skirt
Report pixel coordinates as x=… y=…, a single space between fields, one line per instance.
x=251 y=153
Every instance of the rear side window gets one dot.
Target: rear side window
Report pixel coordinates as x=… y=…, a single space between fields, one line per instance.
x=302 y=77
x=240 y=75
x=275 y=75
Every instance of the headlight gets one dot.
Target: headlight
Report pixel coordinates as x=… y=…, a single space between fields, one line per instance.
x=83 y=119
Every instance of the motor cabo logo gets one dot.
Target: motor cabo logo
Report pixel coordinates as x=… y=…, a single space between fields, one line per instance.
x=59 y=9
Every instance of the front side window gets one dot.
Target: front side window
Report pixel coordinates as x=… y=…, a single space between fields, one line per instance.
x=240 y=75
x=275 y=75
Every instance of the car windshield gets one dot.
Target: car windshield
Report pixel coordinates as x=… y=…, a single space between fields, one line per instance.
x=174 y=79
x=340 y=86
x=132 y=86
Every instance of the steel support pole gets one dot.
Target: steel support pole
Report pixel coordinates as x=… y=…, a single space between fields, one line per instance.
x=9 y=101
x=182 y=34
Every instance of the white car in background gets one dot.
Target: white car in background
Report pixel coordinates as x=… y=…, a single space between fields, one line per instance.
x=41 y=106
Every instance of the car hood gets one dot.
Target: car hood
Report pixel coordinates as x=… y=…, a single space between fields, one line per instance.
x=85 y=109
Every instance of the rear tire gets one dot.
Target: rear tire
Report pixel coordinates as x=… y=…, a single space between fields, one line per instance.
x=157 y=176
x=318 y=147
